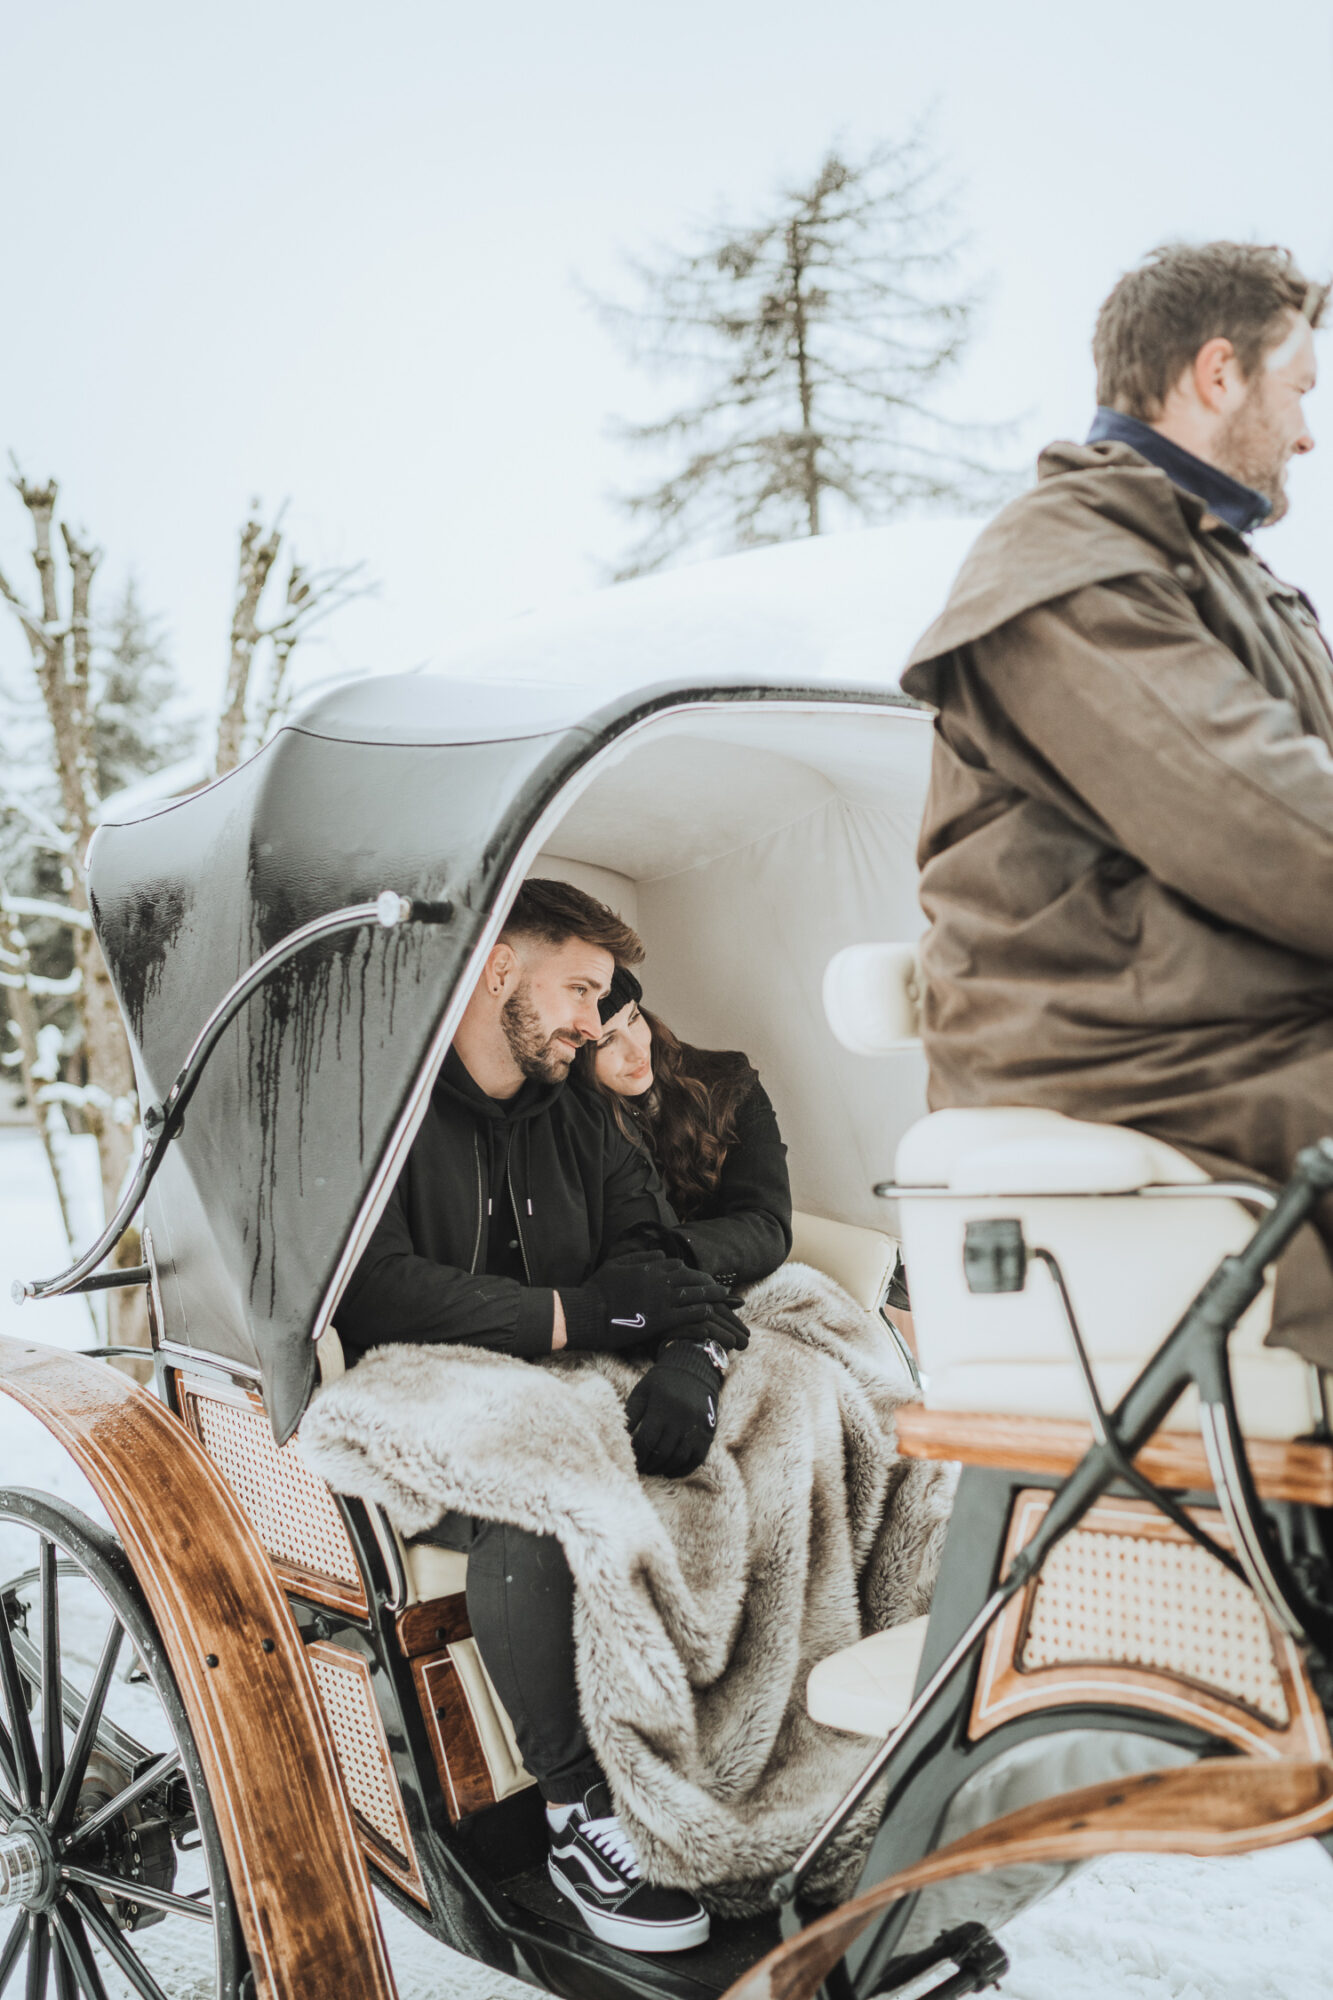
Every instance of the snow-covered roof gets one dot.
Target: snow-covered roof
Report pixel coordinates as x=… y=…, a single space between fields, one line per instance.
x=843 y=608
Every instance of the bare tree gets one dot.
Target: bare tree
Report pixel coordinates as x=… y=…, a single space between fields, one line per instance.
x=60 y=640
x=104 y=712
x=816 y=337
x=309 y=596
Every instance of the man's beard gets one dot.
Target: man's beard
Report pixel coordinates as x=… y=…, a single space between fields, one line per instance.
x=1249 y=449
x=542 y=1057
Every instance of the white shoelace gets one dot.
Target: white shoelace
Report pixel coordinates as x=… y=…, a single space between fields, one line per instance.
x=609 y=1837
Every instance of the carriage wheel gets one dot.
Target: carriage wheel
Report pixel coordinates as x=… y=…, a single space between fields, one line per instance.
x=112 y=1877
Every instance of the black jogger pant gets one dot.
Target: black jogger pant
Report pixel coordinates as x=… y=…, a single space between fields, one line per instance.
x=520 y=1602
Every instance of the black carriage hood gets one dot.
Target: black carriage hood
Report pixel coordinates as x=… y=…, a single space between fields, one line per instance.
x=410 y=783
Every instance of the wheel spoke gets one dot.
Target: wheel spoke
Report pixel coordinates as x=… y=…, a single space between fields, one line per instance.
x=53 y=1731
x=67 y=1985
x=161 y=1768
x=39 y=1956
x=27 y=1775
x=114 y=1943
x=74 y=1944
x=138 y=1892
x=9 y=1770
x=86 y=1735
x=9 y=1957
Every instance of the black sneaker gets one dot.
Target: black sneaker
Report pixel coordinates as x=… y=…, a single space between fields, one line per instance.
x=592 y=1861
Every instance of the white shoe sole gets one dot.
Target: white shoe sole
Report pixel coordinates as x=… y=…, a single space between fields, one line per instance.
x=628 y=1934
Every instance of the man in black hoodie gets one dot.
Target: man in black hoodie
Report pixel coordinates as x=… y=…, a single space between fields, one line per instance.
x=525 y=1222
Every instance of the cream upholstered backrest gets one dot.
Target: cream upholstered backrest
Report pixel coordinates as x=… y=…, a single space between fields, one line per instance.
x=1132 y=1263
x=860 y=1260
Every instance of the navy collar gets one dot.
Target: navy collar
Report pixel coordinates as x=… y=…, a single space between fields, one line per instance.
x=1239 y=506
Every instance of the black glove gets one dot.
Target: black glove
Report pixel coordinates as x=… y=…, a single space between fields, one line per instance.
x=672 y=1412
x=637 y=1299
x=724 y=1326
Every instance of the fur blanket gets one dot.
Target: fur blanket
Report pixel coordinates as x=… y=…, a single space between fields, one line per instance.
x=702 y=1603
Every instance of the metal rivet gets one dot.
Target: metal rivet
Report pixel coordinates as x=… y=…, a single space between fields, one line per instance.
x=210 y=1659
x=266 y=1645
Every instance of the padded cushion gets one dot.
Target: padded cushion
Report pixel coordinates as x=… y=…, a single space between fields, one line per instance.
x=1132 y=1266
x=860 y=1260
x=494 y=1728
x=433 y=1572
x=872 y=997
x=867 y=1688
x=1021 y=1150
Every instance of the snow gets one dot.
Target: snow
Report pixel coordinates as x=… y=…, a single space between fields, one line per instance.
x=845 y=609
x=170 y=782
x=1129 y=1928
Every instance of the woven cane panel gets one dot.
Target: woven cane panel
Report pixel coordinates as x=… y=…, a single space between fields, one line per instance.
x=363 y=1754
x=1152 y=1603
x=293 y=1511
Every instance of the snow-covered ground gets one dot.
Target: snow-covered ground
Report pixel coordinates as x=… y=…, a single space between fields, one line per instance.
x=1132 y=1928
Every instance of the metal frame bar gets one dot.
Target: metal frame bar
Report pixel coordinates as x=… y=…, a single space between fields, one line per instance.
x=1194 y=1353
x=1260 y=1197
x=161 y=1122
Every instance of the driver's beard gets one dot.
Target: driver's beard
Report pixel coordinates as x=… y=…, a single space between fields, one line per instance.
x=1249 y=449
x=538 y=1056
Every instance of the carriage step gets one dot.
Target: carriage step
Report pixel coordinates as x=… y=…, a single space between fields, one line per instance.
x=978 y=1960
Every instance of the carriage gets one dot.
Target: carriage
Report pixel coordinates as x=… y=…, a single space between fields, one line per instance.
x=225 y=1719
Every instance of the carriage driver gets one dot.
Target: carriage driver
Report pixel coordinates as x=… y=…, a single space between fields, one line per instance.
x=1127 y=851
x=524 y=1222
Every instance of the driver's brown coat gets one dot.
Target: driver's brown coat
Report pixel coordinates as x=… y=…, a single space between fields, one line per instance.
x=1127 y=852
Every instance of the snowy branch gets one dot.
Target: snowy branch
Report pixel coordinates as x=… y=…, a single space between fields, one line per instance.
x=37 y=906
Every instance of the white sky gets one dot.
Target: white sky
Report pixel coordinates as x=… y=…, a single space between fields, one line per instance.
x=325 y=252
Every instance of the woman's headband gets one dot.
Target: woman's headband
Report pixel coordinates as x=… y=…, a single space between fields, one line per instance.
x=625 y=989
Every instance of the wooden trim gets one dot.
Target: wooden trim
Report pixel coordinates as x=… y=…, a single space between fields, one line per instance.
x=1007 y=1689
x=460 y=1759
x=1053 y=1446
x=425 y=1632
x=1227 y=1805
x=434 y=1624
x=314 y=1589
x=292 y=1849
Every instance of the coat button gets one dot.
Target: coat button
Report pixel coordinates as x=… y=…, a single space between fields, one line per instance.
x=1187 y=573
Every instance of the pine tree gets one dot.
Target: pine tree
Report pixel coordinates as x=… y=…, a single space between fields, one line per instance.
x=136 y=727
x=817 y=336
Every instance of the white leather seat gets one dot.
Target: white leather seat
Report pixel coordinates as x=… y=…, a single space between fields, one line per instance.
x=1132 y=1264
x=867 y=1689
x=860 y=1260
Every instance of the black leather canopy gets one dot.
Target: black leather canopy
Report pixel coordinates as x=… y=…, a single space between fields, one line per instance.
x=414 y=784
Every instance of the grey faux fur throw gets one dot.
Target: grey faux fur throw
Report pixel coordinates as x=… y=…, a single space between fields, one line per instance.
x=702 y=1603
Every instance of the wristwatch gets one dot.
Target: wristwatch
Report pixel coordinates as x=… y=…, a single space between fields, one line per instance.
x=717 y=1354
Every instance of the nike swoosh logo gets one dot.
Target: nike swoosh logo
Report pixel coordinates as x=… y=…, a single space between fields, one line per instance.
x=638 y=1320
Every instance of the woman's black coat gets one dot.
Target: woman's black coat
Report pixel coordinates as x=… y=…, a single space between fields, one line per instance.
x=744 y=1231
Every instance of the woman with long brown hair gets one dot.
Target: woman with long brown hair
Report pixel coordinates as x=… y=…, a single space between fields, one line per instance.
x=706 y=1119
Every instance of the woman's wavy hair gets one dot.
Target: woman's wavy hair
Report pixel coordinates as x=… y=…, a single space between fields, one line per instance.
x=688 y=1118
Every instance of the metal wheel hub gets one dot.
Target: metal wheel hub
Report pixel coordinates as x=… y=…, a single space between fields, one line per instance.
x=27 y=1867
